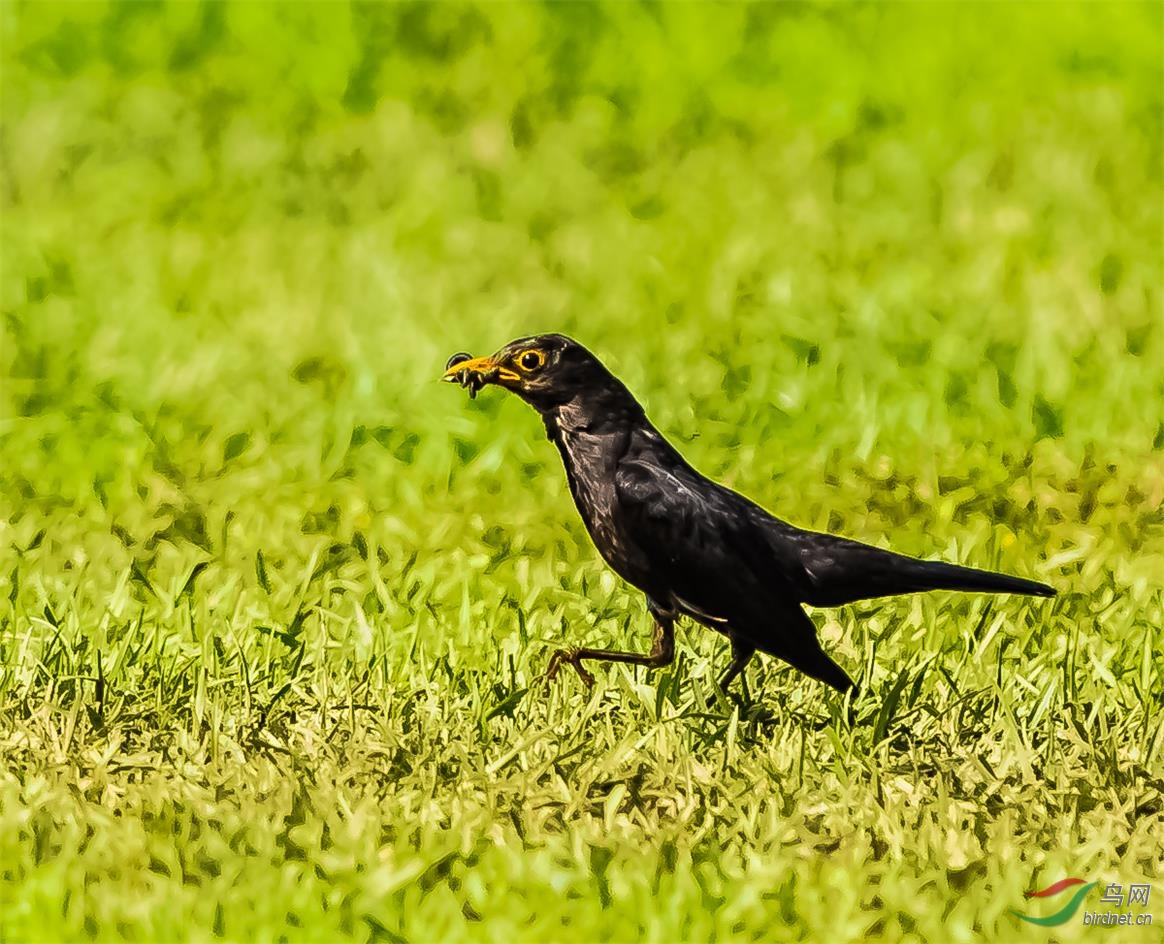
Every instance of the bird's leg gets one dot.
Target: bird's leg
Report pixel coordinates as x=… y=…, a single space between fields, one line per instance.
x=741 y=653
x=662 y=653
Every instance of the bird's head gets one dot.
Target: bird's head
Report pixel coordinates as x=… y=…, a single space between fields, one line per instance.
x=546 y=370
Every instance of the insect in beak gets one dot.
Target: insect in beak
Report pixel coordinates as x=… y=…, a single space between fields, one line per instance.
x=471 y=380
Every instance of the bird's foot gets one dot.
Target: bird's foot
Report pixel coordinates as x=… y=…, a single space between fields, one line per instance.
x=571 y=657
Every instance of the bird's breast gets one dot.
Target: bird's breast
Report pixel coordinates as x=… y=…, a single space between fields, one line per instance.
x=591 y=462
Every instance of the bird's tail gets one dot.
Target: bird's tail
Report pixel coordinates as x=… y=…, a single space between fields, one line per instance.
x=842 y=571
x=919 y=575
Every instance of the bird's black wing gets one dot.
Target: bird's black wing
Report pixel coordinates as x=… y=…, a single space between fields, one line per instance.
x=701 y=542
x=709 y=557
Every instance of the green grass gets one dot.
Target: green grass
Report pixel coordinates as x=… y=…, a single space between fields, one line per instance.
x=274 y=603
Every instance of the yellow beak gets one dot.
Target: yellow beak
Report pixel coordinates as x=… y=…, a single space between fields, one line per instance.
x=483 y=369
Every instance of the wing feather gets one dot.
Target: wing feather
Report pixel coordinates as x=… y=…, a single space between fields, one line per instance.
x=701 y=544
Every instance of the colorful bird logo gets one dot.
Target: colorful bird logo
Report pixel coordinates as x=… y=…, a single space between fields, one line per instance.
x=1065 y=913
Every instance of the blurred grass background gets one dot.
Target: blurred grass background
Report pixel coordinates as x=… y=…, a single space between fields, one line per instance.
x=892 y=270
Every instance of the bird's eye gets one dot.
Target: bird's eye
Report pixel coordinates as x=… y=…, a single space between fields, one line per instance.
x=531 y=360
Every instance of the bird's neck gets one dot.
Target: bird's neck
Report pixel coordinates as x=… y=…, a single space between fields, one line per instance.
x=593 y=414
x=610 y=406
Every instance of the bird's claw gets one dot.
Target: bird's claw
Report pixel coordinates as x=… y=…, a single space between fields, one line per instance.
x=571 y=657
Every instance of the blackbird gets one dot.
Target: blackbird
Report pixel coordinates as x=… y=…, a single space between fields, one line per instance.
x=694 y=547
